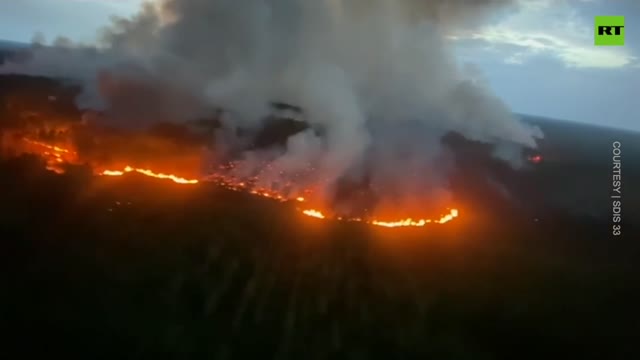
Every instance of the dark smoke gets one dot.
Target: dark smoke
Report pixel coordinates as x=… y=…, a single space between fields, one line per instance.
x=376 y=81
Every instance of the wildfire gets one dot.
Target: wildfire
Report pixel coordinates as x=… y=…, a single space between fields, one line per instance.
x=57 y=156
x=535 y=159
x=314 y=213
x=54 y=148
x=150 y=173
x=453 y=213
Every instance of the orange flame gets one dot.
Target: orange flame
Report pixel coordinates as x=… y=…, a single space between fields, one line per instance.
x=56 y=156
x=50 y=147
x=314 y=213
x=453 y=213
x=150 y=173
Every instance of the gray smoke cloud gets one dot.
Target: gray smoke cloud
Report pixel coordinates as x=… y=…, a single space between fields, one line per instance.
x=376 y=76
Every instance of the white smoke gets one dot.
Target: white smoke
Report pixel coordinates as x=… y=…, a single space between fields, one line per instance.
x=376 y=76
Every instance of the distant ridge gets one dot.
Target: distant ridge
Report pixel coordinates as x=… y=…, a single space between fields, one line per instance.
x=8 y=49
x=11 y=45
x=544 y=120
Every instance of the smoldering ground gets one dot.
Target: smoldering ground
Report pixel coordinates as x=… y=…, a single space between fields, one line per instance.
x=377 y=83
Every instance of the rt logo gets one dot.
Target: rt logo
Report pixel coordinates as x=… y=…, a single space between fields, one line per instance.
x=609 y=31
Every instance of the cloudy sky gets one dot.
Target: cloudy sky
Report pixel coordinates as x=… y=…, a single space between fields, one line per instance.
x=539 y=57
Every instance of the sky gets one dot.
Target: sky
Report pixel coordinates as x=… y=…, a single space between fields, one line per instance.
x=538 y=57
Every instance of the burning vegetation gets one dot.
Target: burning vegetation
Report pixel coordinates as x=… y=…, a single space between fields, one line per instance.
x=291 y=111
x=183 y=154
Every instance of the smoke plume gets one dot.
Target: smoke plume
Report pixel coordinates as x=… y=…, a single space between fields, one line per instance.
x=376 y=80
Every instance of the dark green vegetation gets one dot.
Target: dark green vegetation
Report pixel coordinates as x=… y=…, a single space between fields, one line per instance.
x=137 y=268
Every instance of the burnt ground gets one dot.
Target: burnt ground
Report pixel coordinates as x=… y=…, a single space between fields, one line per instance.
x=137 y=268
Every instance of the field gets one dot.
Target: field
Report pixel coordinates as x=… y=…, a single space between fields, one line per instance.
x=133 y=267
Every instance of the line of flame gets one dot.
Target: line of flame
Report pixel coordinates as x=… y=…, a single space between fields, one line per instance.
x=453 y=213
x=56 y=152
x=150 y=173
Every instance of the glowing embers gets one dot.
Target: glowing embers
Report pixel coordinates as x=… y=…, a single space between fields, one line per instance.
x=53 y=148
x=535 y=159
x=451 y=215
x=314 y=213
x=150 y=173
x=56 y=157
